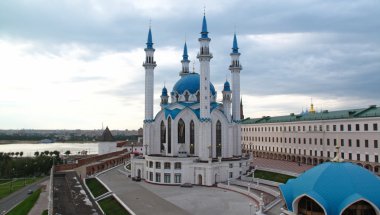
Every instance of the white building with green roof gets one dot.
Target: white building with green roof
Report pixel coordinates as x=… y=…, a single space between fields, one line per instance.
x=311 y=137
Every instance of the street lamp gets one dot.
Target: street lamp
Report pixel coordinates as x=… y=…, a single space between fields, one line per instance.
x=146 y=149
x=250 y=208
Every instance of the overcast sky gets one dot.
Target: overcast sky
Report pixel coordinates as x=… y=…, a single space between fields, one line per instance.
x=76 y=64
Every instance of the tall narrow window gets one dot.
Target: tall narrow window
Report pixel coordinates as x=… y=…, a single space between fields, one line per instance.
x=169 y=135
x=192 y=142
x=163 y=135
x=218 y=139
x=181 y=131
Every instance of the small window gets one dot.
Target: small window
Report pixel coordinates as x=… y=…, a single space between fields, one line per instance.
x=150 y=176
x=367 y=158
x=357 y=127
x=357 y=143
x=231 y=174
x=166 y=165
x=349 y=142
x=365 y=127
x=349 y=156
x=341 y=127
x=334 y=142
x=349 y=127
x=375 y=144
x=158 y=165
x=375 y=126
x=158 y=177
x=177 y=178
x=231 y=165
x=342 y=142
x=358 y=157
x=151 y=164
x=334 y=127
x=177 y=165
x=366 y=143
x=327 y=128
x=167 y=177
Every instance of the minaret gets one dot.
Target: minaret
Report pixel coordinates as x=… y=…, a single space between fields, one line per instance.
x=185 y=62
x=227 y=100
x=204 y=57
x=164 y=97
x=235 y=68
x=149 y=66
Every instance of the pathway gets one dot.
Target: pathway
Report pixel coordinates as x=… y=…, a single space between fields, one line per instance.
x=280 y=165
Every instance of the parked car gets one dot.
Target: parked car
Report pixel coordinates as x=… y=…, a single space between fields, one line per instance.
x=136 y=179
x=188 y=185
x=30 y=192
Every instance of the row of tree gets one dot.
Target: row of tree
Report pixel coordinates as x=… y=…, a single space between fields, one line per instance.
x=19 y=167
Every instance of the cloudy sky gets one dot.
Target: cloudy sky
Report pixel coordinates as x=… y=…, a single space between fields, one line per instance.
x=75 y=64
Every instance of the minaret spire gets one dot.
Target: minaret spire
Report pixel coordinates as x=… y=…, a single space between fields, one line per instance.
x=185 y=61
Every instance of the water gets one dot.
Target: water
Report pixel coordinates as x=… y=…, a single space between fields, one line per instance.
x=30 y=148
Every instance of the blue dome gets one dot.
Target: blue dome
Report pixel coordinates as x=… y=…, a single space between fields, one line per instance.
x=164 y=92
x=190 y=82
x=334 y=186
x=226 y=86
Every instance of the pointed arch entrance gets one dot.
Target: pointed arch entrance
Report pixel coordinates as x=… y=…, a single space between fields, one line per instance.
x=200 y=179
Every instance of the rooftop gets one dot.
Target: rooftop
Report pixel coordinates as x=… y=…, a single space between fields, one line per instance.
x=371 y=111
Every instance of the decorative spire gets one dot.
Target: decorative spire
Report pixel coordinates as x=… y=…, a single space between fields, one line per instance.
x=337 y=158
x=149 y=44
x=204 y=32
x=185 y=56
x=235 y=48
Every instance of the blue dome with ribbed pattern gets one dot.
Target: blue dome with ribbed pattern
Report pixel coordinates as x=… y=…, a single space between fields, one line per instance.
x=335 y=185
x=190 y=82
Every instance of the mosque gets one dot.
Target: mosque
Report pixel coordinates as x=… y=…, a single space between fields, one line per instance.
x=193 y=138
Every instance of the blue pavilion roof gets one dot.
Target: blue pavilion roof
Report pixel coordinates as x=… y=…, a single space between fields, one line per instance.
x=204 y=33
x=226 y=86
x=149 y=43
x=190 y=82
x=235 y=48
x=185 y=56
x=334 y=185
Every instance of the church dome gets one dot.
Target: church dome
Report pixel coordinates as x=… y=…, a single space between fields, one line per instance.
x=190 y=83
x=334 y=185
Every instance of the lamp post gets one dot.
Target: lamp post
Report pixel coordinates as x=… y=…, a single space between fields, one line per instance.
x=132 y=147
x=250 y=208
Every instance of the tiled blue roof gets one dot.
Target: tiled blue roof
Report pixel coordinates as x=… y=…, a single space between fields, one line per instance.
x=149 y=44
x=190 y=82
x=204 y=32
x=226 y=86
x=164 y=92
x=334 y=185
x=174 y=112
x=235 y=48
x=185 y=56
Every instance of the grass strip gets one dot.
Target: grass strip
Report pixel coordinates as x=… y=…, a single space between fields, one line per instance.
x=111 y=206
x=25 y=206
x=12 y=186
x=272 y=176
x=96 y=188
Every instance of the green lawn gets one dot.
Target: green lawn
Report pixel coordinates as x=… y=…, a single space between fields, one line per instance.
x=45 y=212
x=272 y=176
x=95 y=187
x=111 y=206
x=2 y=181
x=25 y=206
x=14 y=185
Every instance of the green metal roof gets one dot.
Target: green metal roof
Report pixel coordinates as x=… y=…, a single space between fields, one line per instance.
x=371 y=111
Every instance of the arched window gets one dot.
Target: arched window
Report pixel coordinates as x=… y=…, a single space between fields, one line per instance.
x=360 y=208
x=181 y=131
x=218 y=139
x=187 y=96
x=198 y=96
x=192 y=142
x=163 y=135
x=308 y=206
x=169 y=135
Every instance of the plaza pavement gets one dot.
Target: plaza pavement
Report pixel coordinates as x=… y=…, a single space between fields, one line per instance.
x=146 y=198
x=280 y=165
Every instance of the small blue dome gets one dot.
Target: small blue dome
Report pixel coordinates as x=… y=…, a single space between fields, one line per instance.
x=164 y=92
x=227 y=86
x=190 y=82
x=334 y=186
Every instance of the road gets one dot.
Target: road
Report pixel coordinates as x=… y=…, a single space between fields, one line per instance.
x=12 y=200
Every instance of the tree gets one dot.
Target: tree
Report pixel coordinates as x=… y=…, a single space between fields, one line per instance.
x=17 y=153
x=21 y=154
x=36 y=153
x=56 y=153
x=12 y=154
x=67 y=152
x=51 y=153
x=46 y=152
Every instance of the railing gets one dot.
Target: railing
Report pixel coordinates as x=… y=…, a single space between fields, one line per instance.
x=51 y=188
x=257 y=187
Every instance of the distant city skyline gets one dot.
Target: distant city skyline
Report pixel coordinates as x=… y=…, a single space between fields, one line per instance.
x=74 y=65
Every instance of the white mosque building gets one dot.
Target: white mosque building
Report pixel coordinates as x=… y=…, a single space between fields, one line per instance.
x=193 y=138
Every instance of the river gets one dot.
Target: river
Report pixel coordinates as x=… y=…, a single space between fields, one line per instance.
x=30 y=148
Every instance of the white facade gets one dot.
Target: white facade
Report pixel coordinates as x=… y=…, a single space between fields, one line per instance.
x=315 y=141
x=192 y=139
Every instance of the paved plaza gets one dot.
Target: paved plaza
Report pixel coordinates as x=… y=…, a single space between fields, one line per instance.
x=281 y=165
x=145 y=198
